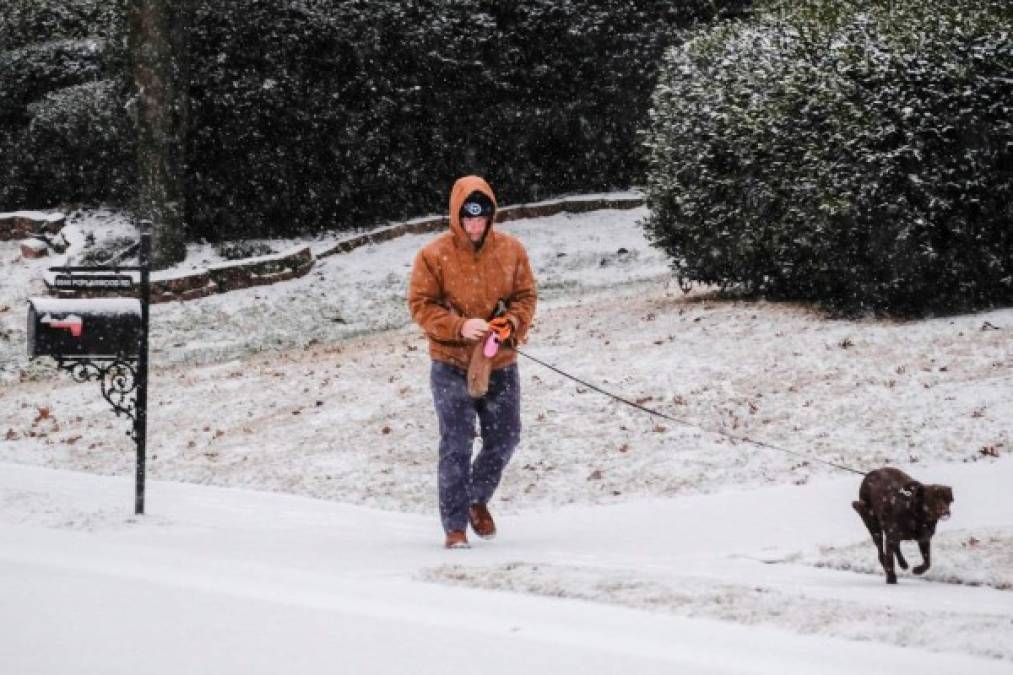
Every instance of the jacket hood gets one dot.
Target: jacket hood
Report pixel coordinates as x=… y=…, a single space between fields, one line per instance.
x=462 y=188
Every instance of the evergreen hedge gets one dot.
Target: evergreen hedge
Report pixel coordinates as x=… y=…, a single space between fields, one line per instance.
x=857 y=154
x=309 y=114
x=80 y=144
x=64 y=135
x=349 y=114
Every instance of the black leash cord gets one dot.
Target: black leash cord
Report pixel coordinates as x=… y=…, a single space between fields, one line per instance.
x=684 y=423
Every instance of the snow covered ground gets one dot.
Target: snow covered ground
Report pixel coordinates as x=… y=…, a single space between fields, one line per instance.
x=223 y=581
x=627 y=542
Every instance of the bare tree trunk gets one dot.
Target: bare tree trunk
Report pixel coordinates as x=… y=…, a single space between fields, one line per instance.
x=158 y=58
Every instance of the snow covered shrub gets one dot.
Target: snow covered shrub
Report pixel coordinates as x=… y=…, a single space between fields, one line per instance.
x=106 y=251
x=26 y=22
x=857 y=154
x=29 y=73
x=240 y=249
x=79 y=146
x=55 y=53
x=34 y=82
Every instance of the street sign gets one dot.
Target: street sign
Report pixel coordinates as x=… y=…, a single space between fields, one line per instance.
x=93 y=281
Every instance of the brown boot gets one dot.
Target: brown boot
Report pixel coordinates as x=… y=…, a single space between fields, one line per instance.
x=457 y=539
x=481 y=521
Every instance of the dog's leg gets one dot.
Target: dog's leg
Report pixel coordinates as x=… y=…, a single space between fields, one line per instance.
x=892 y=544
x=871 y=522
x=876 y=530
x=924 y=545
x=900 y=557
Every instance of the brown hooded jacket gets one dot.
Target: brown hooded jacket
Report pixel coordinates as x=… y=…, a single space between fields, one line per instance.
x=454 y=280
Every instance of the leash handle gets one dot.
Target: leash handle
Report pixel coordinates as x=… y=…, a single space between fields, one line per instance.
x=491 y=345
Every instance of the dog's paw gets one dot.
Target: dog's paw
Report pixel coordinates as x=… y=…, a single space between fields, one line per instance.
x=920 y=569
x=891 y=578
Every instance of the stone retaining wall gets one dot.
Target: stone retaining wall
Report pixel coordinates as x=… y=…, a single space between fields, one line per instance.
x=231 y=276
x=507 y=213
x=21 y=224
x=270 y=269
x=220 y=278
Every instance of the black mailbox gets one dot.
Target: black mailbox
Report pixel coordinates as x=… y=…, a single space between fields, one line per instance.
x=83 y=327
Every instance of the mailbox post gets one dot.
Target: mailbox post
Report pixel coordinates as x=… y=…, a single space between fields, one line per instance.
x=103 y=339
x=141 y=421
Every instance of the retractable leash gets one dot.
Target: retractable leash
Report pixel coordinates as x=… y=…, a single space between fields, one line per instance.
x=684 y=423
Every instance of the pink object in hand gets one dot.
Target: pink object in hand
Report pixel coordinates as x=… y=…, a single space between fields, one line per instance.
x=491 y=346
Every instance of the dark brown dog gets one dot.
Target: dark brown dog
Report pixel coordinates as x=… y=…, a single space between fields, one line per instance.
x=895 y=507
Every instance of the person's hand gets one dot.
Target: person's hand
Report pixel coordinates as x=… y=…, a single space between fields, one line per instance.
x=474 y=329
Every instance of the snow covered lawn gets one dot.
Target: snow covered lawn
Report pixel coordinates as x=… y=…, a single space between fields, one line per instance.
x=627 y=542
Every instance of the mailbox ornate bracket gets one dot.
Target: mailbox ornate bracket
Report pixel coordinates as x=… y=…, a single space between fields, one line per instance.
x=117 y=378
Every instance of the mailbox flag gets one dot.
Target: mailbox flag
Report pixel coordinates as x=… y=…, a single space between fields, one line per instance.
x=72 y=323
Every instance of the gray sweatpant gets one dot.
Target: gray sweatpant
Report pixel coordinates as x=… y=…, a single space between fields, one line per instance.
x=461 y=481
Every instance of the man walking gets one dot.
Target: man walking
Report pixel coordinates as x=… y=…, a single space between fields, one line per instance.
x=458 y=281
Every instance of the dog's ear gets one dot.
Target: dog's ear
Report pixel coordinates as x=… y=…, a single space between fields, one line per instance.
x=913 y=489
x=942 y=494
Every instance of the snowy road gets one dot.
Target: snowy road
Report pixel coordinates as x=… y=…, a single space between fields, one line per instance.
x=235 y=581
